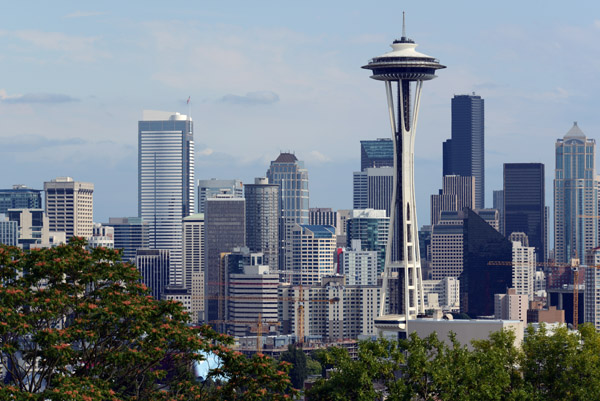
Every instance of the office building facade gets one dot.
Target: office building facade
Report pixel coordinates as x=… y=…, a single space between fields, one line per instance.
x=263 y=215
x=376 y=153
x=373 y=189
x=225 y=229
x=130 y=234
x=166 y=181
x=464 y=152
x=372 y=228
x=292 y=177
x=210 y=188
x=70 y=206
x=153 y=265
x=20 y=197
x=524 y=204
x=313 y=248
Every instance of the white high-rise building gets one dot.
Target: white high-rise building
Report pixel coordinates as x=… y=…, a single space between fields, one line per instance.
x=359 y=266
x=70 y=206
x=314 y=248
x=166 y=181
x=523 y=273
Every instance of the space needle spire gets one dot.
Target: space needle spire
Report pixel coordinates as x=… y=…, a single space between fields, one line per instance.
x=403 y=71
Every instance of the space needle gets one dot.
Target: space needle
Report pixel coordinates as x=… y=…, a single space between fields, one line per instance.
x=403 y=71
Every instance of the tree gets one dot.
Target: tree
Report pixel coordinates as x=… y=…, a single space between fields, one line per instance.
x=78 y=324
x=562 y=365
x=367 y=378
x=298 y=372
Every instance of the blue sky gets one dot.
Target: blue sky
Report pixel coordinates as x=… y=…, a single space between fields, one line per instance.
x=267 y=76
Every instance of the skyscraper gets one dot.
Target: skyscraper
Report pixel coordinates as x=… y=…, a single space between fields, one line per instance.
x=166 y=181
x=377 y=153
x=225 y=228
x=464 y=153
x=480 y=280
x=373 y=189
x=524 y=204
x=575 y=196
x=403 y=68
x=262 y=220
x=194 y=260
x=289 y=173
x=292 y=177
x=70 y=206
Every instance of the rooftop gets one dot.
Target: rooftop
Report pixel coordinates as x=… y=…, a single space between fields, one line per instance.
x=286 y=158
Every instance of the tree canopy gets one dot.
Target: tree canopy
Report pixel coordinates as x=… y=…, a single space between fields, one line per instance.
x=78 y=325
x=562 y=365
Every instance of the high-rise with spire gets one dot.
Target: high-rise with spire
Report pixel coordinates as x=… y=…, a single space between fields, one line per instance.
x=403 y=71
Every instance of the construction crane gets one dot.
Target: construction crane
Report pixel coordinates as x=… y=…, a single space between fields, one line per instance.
x=574 y=265
x=259 y=327
x=299 y=310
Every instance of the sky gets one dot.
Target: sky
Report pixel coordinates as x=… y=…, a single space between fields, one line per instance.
x=266 y=77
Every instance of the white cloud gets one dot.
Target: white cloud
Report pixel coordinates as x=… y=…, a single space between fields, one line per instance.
x=36 y=98
x=78 y=48
x=83 y=14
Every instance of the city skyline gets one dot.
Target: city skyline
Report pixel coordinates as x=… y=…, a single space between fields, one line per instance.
x=70 y=69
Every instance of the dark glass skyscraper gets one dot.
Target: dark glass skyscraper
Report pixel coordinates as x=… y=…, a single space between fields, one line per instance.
x=479 y=280
x=524 y=203
x=225 y=229
x=376 y=153
x=464 y=153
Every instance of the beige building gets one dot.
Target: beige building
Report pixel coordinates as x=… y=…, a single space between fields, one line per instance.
x=511 y=306
x=193 y=258
x=523 y=271
x=70 y=206
x=329 y=311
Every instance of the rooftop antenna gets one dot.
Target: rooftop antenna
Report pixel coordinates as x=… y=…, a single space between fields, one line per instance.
x=403 y=26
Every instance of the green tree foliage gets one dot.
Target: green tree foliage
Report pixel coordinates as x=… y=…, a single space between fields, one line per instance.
x=561 y=365
x=78 y=325
x=296 y=357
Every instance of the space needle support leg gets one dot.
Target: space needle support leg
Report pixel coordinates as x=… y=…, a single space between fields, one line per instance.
x=416 y=268
x=388 y=247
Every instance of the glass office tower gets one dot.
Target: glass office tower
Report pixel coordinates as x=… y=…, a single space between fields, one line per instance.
x=166 y=181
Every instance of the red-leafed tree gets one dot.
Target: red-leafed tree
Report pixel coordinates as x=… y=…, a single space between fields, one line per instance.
x=78 y=325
